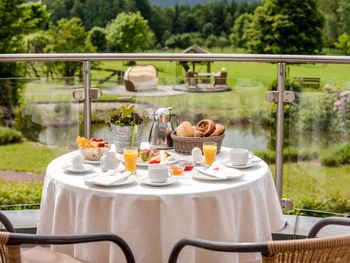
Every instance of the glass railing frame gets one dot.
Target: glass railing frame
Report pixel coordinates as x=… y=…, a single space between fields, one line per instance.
x=281 y=60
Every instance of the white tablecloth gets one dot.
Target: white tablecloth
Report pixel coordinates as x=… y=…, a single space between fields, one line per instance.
x=152 y=219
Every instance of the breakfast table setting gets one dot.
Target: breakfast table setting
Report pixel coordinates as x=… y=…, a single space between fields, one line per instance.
x=154 y=196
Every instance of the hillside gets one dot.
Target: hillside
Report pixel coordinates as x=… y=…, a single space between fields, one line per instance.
x=190 y=2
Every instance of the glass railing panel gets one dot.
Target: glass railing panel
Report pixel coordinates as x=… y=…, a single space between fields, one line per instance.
x=316 y=169
x=47 y=117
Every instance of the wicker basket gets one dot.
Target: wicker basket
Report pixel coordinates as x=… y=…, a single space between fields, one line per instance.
x=186 y=144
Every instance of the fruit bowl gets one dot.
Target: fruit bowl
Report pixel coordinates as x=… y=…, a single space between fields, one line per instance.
x=92 y=149
x=92 y=154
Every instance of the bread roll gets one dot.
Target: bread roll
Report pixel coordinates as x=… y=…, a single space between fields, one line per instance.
x=185 y=129
x=206 y=126
x=219 y=129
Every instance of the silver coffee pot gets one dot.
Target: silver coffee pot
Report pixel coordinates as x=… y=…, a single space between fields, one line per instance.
x=162 y=127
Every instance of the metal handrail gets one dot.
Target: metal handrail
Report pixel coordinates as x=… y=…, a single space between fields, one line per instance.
x=289 y=59
x=281 y=60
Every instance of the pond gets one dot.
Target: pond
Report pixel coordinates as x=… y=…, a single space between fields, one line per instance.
x=247 y=136
x=253 y=137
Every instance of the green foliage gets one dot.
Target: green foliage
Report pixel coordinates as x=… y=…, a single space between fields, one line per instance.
x=286 y=27
x=97 y=38
x=184 y=40
x=290 y=154
x=239 y=31
x=35 y=16
x=126 y=116
x=14 y=193
x=343 y=43
x=337 y=157
x=37 y=42
x=8 y=135
x=70 y=36
x=129 y=32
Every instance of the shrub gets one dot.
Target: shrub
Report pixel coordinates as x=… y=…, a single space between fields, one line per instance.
x=337 y=157
x=8 y=135
x=290 y=154
x=14 y=195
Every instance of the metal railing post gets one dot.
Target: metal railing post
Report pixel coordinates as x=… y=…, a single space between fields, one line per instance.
x=280 y=129
x=87 y=99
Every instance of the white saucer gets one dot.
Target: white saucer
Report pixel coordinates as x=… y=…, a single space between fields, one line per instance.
x=170 y=181
x=69 y=168
x=248 y=165
x=128 y=180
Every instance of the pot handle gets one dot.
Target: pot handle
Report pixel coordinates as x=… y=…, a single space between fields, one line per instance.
x=176 y=121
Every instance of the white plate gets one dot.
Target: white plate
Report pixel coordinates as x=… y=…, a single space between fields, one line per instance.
x=170 y=181
x=199 y=175
x=71 y=169
x=248 y=165
x=92 y=162
x=128 y=180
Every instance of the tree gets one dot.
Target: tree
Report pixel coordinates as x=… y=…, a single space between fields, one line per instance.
x=69 y=36
x=207 y=30
x=286 y=27
x=129 y=32
x=97 y=38
x=223 y=41
x=17 y=18
x=238 y=37
x=343 y=43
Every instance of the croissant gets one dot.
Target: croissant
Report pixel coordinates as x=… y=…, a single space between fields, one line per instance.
x=206 y=126
x=219 y=129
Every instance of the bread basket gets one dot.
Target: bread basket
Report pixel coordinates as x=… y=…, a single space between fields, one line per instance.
x=186 y=144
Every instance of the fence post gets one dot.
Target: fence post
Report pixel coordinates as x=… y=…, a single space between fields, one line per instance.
x=280 y=129
x=87 y=99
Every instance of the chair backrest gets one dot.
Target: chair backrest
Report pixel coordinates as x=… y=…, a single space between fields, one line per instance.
x=312 y=250
x=9 y=254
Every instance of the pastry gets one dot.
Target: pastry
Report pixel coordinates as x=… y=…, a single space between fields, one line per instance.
x=206 y=126
x=219 y=129
x=185 y=129
x=198 y=133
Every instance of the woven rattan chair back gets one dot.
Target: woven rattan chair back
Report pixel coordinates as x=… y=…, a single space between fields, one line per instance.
x=317 y=250
x=8 y=254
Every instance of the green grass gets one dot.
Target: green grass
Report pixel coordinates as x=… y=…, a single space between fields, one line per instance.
x=27 y=157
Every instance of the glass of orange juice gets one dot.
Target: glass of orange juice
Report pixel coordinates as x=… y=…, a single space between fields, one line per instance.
x=130 y=158
x=209 y=150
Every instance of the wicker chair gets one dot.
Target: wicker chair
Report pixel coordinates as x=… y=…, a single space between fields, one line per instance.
x=10 y=243
x=220 y=78
x=141 y=78
x=311 y=250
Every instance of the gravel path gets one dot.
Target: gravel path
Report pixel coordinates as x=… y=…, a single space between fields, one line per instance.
x=21 y=176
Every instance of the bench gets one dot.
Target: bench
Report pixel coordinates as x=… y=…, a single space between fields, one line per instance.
x=308 y=82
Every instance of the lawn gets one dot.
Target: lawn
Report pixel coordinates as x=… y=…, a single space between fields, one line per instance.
x=27 y=157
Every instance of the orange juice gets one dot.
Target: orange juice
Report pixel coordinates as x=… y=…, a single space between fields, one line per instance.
x=209 y=151
x=130 y=158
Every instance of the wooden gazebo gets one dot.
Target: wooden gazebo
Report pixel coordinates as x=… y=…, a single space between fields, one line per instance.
x=183 y=66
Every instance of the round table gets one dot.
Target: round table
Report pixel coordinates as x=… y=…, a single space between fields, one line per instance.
x=153 y=219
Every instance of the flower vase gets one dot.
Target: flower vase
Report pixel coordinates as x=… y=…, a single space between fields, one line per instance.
x=126 y=136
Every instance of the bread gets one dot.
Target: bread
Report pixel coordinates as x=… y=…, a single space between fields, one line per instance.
x=185 y=129
x=219 y=129
x=206 y=126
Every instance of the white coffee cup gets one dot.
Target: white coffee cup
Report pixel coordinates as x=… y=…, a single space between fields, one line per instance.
x=78 y=162
x=158 y=173
x=240 y=156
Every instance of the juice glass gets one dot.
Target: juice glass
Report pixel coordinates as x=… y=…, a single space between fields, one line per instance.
x=130 y=158
x=209 y=150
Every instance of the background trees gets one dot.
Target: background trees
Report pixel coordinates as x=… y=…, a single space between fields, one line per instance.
x=129 y=32
x=286 y=27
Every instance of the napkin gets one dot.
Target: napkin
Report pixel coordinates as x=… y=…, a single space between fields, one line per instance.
x=108 y=178
x=221 y=171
